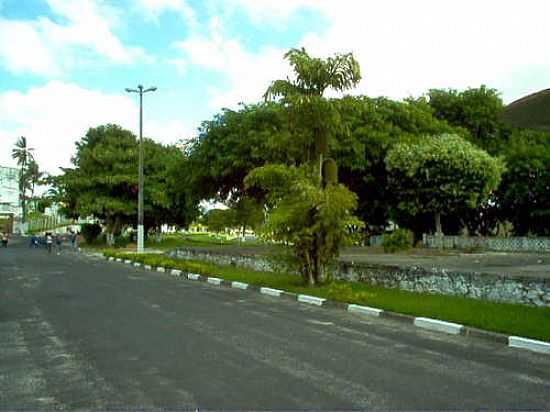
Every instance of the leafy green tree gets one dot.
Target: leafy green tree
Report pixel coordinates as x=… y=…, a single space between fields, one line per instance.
x=441 y=175
x=309 y=209
x=372 y=127
x=316 y=222
x=217 y=220
x=523 y=197
x=103 y=181
x=23 y=155
x=474 y=109
x=248 y=213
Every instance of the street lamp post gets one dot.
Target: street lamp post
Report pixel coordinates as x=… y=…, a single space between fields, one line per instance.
x=141 y=92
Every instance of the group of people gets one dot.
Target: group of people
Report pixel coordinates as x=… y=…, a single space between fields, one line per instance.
x=54 y=241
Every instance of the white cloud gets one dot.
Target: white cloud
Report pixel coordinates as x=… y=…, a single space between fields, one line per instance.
x=152 y=9
x=56 y=115
x=42 y=46
x=248 y=74
x=271 y=11
x=404 y=47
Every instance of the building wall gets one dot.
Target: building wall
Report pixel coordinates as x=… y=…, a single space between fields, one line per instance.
x=9 y=190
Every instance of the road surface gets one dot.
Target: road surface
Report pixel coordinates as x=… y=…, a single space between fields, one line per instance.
x=77 y=332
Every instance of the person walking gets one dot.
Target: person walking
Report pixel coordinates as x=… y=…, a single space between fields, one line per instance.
x=49 y=242
x=4 y=239
x=58 y=243
x=73 y=240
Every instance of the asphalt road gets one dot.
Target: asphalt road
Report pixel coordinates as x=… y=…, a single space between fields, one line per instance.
x=82 y=333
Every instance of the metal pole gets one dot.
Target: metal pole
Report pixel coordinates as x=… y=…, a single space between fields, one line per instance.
x=140 y=195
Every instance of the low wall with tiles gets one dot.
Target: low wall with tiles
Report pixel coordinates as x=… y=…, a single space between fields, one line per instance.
x=499 y=244
x=518 y=289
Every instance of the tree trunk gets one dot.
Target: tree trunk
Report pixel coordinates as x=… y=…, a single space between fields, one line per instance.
x=438 y=230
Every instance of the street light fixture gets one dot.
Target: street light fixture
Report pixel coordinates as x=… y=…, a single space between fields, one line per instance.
x=141 y=91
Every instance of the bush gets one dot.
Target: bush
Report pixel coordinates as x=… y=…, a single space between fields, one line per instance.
x=90 y=232
x=398 y=240
x=121 y=241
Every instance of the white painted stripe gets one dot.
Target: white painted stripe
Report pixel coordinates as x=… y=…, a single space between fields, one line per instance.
x=239 y=285
x=271 y=292
x=176 y=272
x=137 y=264
x=312 y=300
x=438 y=325
x=111 y=258
x=214 y=281
x=118 y=259
x=148 y=267
x=530 y=344
x=364 y=310
x=193 y=276
x=128 y=261
x=161 y=269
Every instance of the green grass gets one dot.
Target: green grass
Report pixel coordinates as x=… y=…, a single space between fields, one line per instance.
x=196 y=239
x=519 y=320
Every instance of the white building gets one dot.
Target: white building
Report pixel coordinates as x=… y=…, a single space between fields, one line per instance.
x=9 y=191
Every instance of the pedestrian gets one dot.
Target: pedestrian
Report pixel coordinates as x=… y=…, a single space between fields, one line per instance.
x=4 y=239
x=49 y=242
x=58 y=243
x=73 y=240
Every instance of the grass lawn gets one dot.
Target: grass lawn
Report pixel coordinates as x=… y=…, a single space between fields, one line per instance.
x=520 y=320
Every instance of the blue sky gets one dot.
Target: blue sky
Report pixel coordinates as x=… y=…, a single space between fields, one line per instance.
x=64 y=64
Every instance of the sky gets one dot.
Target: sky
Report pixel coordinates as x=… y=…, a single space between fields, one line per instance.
x=64 y=64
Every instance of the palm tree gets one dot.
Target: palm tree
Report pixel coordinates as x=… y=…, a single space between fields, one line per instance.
x=23 y=154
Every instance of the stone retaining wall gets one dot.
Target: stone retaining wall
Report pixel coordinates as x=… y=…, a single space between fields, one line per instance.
x=518 y=289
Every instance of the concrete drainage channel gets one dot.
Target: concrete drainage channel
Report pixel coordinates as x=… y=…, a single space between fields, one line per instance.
x=421 y=322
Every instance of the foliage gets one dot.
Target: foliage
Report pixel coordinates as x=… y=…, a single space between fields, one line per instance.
x=474 y=109
x=90 y=232
x=523 y=197
x=218 y=220
x=23 y=155
x=103 y=181
x=398 y=240
x=441 y=174
x=315 y=221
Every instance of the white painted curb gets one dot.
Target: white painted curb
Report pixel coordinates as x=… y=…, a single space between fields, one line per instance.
x=239 y=285
x=111 y=259
x=214 y=281
x=148 y=267
x=176 y=272
x=193 y=276
x=137 y=264
x=118 y=259
x=364 y=310
x=271 y=292
x=312 y=300
x=161 y=269
x=530 y=344
x=128 y=262
x=438 y=325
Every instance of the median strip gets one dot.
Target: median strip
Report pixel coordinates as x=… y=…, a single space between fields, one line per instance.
x=395 y=302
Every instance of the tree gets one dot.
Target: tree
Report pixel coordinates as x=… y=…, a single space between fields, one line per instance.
x=103 y=181
x=441 y=175
x=372 y=126
x=474 y=109
x=217 y=220
x=23 y=155
x=309 y=208
x=523 y=197
x=316 y=222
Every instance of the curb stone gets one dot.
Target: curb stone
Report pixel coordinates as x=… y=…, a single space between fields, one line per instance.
x=420 y=322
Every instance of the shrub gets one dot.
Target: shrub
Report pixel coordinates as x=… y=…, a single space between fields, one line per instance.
x=398 y=240
x=90 y=232
x=121 y=241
